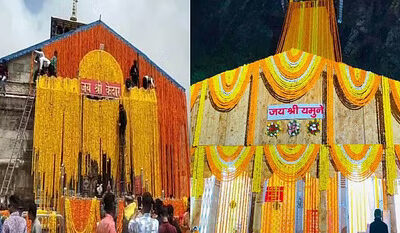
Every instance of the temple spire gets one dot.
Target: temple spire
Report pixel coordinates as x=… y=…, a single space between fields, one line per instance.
x=74 y=9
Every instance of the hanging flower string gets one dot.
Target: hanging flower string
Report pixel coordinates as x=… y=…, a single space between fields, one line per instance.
x=273 y=129
x=313 y=127
x=293 y=128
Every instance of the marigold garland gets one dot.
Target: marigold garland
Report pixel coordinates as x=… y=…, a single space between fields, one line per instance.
x=120 y=216
x=395 y=90
x=397 y=150
x=227 y=88
x=289 y=82
x=330 y=104
x=360 y=163
x=311 y=27
x=251 y=124
x=81 y=215
x=358 y=86
x=198 y=172
x=323 y=167
x=258 y=160
x=234 y=219
x=294 y=163
x=227 y=170
x=391 y=172
x=194 y=92
x=178 y=204
x=199 y=119
x=143 y=131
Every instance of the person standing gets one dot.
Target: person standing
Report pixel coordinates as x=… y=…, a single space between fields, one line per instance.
x=144 y=223
x=166 y=226
x=134 y=72
x=129 y=211
x=122 y=123
x=171 y=218
x=53 y=64
x=3 y=78
x=32 y=211
x=15 y=223
x=378 y=226
x=186 y=219
x=107 y=224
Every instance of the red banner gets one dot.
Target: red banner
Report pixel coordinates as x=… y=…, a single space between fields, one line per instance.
x=274 y=194
x=97 y=88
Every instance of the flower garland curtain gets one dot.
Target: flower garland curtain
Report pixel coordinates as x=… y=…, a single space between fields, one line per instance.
x=279 y=216
x=171 y=99
x=357 y=161
x=258 y=160
x=311 y=26
x=143 y=134
x=311 y=204
x=178 y=204
x=397 y=150
x=226 y=162
x=198 y=172
x=234 y=205
x=209 y=204
x=120 y=217
x=333 y=204
x=323 y=167
x=391 y=172
x=227 y=88
x=291 y=162
x=395 y=90
x=81 y=215
x=51 y=102
x=254 y=72
x=199 y=119
x=194 y=93
x=358 y=86
x=289 y=75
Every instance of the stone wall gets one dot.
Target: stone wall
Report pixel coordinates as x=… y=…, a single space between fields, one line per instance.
x=11 y=109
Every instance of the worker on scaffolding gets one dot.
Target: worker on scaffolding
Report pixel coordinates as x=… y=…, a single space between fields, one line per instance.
x=122 y=123
x=3 y=78
x=148 y=82
x=43 y=62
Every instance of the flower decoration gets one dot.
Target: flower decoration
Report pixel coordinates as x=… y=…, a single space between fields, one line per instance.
x=313 y=127
x=273 y=129
x=233 y=204
x=293 y=128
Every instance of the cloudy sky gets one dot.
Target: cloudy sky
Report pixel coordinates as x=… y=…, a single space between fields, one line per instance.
x=159 y=28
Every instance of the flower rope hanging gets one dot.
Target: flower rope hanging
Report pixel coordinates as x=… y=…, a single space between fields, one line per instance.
x=358 y=86
x=293 y=128
x=228 y=162
x=397 y=150
x=395 y=90
x=291 y=162
x=273 y=129
x=81 y=215
x=314 y=127
x=226 y=89
x=357 y=161
x=194 y=92
x=293 y=73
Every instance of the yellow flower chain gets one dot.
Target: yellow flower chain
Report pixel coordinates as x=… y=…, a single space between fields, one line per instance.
x=391 y=172
x=199 y=119
x=198 y=172
x=257 y=170
x=323 y=167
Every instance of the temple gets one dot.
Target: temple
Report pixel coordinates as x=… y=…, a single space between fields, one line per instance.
x=65 y=129
x=298 y=141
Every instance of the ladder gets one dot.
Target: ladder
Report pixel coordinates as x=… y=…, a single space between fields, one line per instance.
x=17 y=149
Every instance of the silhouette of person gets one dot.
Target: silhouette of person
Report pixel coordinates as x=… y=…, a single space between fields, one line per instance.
x=378 y=226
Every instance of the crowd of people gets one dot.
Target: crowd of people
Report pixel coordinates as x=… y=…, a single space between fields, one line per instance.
x=15 y=223
x=143 y=215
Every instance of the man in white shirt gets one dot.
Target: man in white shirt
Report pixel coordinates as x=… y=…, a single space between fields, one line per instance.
x=43 y=61
x=144 y=223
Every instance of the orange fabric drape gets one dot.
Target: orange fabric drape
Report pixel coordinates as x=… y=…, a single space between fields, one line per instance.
x=311 y=205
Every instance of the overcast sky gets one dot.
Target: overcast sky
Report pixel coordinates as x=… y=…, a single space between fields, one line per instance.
x=159 y=28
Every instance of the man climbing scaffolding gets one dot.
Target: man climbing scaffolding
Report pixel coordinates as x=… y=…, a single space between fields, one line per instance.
x=122 y=123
